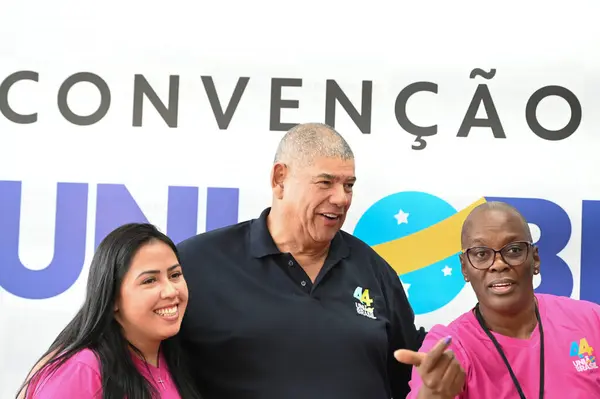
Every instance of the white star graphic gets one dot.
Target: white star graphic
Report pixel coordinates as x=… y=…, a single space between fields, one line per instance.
x=406 y=287
x=402 y=217
x=447 y=271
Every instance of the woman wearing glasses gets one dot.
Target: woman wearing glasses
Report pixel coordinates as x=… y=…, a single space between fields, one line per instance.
x=514 y=343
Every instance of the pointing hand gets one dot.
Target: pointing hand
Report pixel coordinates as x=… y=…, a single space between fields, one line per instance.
x=442 y=375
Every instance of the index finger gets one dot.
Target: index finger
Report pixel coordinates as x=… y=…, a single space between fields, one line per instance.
x=434 y=355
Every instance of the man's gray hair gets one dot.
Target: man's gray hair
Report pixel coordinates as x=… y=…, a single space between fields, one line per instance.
x=307 y=141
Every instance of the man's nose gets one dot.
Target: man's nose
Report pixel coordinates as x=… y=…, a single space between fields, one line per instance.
x=340 y=196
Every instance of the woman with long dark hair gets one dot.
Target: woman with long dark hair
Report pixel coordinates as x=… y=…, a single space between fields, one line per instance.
x=122 y=343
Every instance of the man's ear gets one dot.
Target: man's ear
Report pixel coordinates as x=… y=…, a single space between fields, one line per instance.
x=278 y=175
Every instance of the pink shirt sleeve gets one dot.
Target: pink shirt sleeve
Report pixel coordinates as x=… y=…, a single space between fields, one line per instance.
x=74 y=379
x=431 y=339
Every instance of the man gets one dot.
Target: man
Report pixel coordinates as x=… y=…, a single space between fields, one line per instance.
x=514 y=343
x=289 y=306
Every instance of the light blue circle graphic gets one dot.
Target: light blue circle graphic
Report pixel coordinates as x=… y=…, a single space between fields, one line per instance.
x=402 y=214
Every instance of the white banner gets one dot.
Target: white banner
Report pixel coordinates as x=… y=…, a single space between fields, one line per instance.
x=171 y=114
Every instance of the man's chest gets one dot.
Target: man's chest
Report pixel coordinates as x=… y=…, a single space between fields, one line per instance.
x=270 y=307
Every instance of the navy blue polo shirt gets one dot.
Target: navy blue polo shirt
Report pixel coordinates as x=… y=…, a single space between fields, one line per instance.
x=257 y=328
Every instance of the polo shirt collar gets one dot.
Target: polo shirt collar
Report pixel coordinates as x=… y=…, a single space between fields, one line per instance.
x=262 y=244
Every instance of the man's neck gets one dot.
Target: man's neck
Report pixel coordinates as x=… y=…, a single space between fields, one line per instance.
x=290 y=239
x=517 y=325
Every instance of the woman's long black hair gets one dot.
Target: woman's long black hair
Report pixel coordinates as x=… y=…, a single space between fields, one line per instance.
x=94 y=327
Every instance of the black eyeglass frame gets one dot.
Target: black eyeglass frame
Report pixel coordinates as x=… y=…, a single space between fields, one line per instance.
x=528 y=247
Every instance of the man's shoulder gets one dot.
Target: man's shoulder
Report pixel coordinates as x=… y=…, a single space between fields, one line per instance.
x=359 y=246
x=214 y=238
x=360 y=249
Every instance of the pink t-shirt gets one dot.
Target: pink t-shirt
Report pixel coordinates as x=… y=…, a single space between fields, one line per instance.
x=80 y=378
x=571 y=340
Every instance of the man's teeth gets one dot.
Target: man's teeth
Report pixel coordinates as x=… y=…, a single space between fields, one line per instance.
x=501 y=285
x=172 y=311
x=330 y=215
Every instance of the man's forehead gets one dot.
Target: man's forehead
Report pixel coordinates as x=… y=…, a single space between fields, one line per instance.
x=335 y=176
x=332 y=168
x=332 y=162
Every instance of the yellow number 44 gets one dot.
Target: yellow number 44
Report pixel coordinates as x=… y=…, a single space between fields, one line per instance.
x=584 y=347
x=581 y=349
x=363 y=295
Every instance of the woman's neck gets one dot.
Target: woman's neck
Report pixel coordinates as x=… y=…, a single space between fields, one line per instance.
x=149 y=350
x=516 y=325
x=150 y=357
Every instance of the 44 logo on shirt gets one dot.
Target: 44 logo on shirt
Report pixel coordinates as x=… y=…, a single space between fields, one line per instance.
x=364 y=306
x=585 y=353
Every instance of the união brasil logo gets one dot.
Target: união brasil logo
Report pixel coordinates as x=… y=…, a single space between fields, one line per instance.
x=419 y=236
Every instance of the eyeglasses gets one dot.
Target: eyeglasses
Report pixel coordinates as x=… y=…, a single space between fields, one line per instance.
x=513 y=254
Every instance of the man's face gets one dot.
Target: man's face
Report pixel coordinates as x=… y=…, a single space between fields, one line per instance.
x=508 y=283
x=318 y=196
